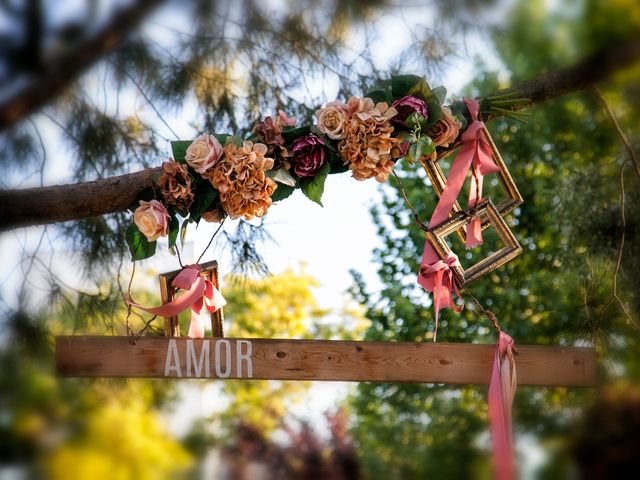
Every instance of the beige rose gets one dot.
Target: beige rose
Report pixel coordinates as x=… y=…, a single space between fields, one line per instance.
x=203 y=153
x=446 y=130
x=332 y=120
x=152 y=219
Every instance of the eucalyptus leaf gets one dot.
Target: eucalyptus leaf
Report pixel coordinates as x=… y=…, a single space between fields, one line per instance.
x=313 y=188
x=416 y=120
x=139 y=246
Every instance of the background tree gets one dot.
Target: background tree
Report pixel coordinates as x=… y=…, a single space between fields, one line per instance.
x=568 y=163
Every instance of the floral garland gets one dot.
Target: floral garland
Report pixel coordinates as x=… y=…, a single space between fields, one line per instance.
x=215 y=175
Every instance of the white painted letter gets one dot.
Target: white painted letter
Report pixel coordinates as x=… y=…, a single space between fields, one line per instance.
x=227 y=362
x=172 y=352
x=192 y=359
x=246 y=357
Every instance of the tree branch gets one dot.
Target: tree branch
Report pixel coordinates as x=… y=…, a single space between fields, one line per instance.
x=52 y=80
x=59 y=203
x=592 y=69
x=36 y=206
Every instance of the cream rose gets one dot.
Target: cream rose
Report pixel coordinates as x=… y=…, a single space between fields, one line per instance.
x=203 y=153
x=152 y=219
x=446 y=130
x=332 y=120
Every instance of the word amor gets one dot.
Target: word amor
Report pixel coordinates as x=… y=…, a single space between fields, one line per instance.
x=209 y=358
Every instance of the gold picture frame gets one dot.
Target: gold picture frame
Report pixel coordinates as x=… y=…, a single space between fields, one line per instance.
x=439 y=181
x=437 y=235
x=167 y=292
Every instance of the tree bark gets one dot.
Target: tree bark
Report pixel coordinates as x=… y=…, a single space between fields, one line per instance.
x=36 y=206
x=59 y=203
x=52 y=80
x=589 y=71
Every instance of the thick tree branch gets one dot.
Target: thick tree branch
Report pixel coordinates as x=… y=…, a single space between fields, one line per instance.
x=58 y=203
x=589 y=71
x=45 y=86
x=37 y=206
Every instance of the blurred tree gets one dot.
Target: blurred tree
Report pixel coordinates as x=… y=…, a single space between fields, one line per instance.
x=567 y=163
x=78 y=428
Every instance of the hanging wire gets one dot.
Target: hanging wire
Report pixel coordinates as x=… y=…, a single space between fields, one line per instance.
x=211 y=239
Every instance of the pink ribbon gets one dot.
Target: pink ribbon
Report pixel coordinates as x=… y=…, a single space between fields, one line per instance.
x=199 y=292
x=475 y=153
x=436 y=276
x=501 y=392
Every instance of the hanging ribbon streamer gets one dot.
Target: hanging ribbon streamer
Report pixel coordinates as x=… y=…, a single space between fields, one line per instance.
x=501 y=392
x=199 y=292
x=475 y=153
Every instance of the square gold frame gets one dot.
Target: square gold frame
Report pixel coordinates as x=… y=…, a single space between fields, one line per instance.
x=167 y=292
x=436 y=236
x=439 y=181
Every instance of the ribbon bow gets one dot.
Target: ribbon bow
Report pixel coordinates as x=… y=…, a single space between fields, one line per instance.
x=199 y=292
x=475 y=153
x=501 y=392
x=436 y=276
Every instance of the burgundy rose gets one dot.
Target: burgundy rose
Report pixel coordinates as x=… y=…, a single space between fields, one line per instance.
x=405 y=107
x=308 y=155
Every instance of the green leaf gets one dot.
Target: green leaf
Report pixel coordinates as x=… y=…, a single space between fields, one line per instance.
x=222 y=137
x=290 y=134
x=313 y=188
x=426 y=145
x=422 y=90
x=416 y=120
x=139 y=246
x=335 y=162
x=402 y=85
x=434 y=112
x=183 y=233
x=174 y=227
x=179 y=149
x=205 y=195
x=440 y=93
x=379 y=95
x=283 y=191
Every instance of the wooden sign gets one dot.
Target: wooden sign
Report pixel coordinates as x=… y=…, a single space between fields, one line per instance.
x=236 y=358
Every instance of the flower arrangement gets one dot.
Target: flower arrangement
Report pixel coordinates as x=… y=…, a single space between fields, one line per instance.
x=215 y=176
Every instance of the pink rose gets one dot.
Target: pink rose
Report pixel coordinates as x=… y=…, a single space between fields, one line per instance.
x=203 y=153
x=332 y=120
x=152 y=219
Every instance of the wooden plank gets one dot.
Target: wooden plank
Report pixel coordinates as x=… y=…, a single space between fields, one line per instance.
x=454 y=363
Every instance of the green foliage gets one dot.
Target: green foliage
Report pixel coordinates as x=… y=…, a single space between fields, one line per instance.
x=313 y=187
x=205 y=196
x=139 y=246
